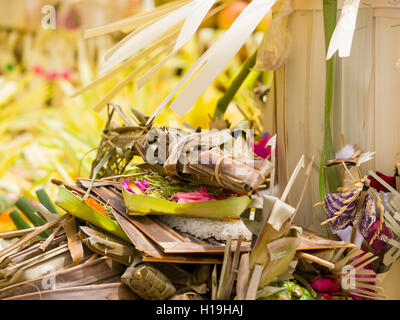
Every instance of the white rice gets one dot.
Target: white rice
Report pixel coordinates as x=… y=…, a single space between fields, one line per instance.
x=204 y=228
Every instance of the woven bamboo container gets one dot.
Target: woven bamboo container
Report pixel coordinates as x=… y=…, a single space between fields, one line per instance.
x=366 y=107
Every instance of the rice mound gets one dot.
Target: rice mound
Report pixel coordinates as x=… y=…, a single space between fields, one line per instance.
x=204 y=228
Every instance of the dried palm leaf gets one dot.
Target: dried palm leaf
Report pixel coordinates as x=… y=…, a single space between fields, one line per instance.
x=74 y=243
x=108 y=291
x=35 y=267
x=89 y=272
x=229 y=271
x=31 y=236
x=117 y=144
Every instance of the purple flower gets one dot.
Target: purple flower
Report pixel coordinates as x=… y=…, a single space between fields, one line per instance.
x=132 y=185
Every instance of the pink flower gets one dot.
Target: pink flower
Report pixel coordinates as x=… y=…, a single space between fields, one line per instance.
x=199 y=195
x=326 y=285
x=66 y=75
x=38 y=69
x=51 y=75
x=259 y=146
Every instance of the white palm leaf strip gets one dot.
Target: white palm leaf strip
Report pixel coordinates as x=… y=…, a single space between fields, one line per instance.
x=342 y=37
x=136 y=20
x=129 y=78
x=111 y=51
x=165 y=39
x=193 y=21
x=214 y=60
x=153 y=70
x=148 y=35
x=119 y=44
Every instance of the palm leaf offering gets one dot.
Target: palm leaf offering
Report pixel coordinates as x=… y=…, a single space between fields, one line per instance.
x=147 y=158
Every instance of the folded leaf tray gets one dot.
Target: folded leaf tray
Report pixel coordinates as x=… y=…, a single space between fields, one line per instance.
x=217 y=209
x=76 y=207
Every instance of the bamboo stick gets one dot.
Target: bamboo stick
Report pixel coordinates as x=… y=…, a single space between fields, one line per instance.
x=315 y=259
x=43 y=247
x=17 y=233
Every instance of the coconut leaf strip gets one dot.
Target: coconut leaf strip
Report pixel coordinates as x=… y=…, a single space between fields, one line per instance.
x=362 y=258
x=368 y=293
x=90 y=272
x=126 y=80
x=315 y=259
x=33 y=234
x=367 y=296
x=74 y=243
x=226 y=268
x=108 y=291
x=190 y=259
x=212 y=62
x=254 y=281
x=147 y=36
x=165 y=39
x=293 y=177
x=366 y=263
x=154 y=69
x=135 y=20
x=214 y=283
x=136 y=237
x=17 y=233
x=218 y=56
x=363 y=285
x=46 y=213
x=342 y=37
x=43 y=247
x=352 y=254
x=193 y=21
x=243 y=277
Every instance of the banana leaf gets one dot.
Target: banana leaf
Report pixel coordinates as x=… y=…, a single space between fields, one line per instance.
x=76 y=207
x=219 y=209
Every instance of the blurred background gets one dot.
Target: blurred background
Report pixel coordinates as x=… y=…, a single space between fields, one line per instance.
x=45 y=134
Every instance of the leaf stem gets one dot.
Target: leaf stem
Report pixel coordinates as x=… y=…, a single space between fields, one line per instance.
x=224 y=101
